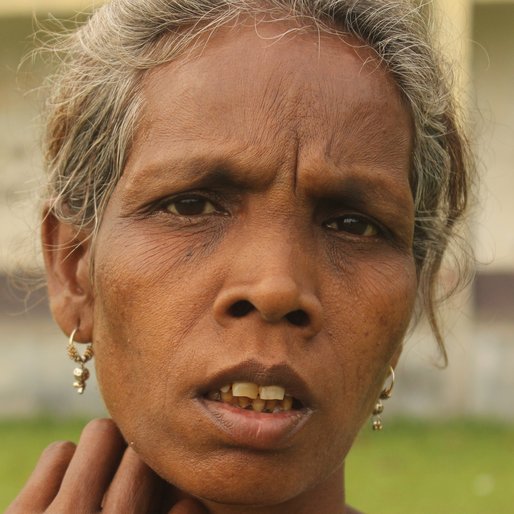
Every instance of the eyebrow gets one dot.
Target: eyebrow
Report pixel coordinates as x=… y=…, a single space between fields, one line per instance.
x=200 y=170
x=362 y=185
x=355 y=185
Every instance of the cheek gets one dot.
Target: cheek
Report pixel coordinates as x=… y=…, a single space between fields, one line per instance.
x=147 y=282
x=143 y=311
x=371 y=310
x=372 y=301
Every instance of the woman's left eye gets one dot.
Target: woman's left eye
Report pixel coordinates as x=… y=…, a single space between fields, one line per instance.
x=191 y=206
x=355 y=225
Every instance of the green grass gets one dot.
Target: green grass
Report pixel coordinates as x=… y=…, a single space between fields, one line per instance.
x=21 y=442
x=420 y=468
x=464 y=467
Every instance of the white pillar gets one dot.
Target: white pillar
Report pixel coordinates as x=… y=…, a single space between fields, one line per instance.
x=454 y=20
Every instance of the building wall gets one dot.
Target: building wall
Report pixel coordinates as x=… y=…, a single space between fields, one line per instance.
x=24 y=7
x=480 y=322
x=493 y=88
x=19 y=154
x=493 y=74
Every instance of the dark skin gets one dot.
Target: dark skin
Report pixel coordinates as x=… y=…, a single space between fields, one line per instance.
x=269 y=174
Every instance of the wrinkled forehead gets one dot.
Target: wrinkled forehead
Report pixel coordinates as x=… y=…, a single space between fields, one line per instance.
x=265 y=88
x=271 y=70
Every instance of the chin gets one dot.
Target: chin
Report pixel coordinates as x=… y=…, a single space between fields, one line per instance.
x=248 y=493
x=250 y=479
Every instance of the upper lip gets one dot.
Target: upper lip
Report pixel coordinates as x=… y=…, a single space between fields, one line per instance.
x=262 y=374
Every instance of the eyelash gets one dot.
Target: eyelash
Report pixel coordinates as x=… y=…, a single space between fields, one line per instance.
x=372 y=228
x=192 y=198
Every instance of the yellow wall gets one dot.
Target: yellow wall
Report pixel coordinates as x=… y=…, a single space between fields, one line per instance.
x=493 y=81
x=19 y=7
x=10 y=7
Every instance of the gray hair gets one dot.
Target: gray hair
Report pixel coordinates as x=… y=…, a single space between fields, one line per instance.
x=96 y=102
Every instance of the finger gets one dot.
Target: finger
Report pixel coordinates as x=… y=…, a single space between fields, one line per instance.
x=45 y=481
x=135 y=488
x=188 y=506
x=91 y=470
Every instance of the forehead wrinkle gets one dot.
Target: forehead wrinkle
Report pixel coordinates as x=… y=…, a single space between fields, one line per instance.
x=364 y=124
x=284 y=105
x=289 y=112
x=267 y=117
x=166 y=114
x=250 y=119
x=371 y=117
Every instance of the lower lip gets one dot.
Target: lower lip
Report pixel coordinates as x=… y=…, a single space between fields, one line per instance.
x=256 y=430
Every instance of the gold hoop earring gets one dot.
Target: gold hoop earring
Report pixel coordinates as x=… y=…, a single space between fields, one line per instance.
x=80 y=373
x=379 y=406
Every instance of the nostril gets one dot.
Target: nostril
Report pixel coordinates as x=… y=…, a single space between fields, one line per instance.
x=240 y=309
x=299 y=318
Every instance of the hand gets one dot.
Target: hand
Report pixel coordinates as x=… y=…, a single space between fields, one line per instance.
x=99 y=475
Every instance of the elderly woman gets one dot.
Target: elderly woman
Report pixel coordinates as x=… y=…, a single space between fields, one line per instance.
x=246 y=201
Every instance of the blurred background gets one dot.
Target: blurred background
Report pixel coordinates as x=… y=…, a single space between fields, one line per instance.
x=469 y=403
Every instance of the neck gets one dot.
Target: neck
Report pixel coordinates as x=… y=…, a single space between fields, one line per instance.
x=325 y=498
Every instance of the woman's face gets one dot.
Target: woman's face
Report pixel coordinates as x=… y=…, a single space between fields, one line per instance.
x=261 y=233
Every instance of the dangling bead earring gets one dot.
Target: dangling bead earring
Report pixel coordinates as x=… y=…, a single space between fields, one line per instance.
x=80 y=373
x=379 y=406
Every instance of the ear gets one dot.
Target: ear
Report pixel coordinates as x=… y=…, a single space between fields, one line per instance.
x=66 y=252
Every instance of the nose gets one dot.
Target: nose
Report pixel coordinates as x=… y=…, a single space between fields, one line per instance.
x=273 y=285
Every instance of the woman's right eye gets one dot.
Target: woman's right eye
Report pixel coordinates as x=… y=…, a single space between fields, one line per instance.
x=190 y=206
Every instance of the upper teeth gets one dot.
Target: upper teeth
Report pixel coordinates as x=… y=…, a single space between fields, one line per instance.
x=248 y=395
x=272 y=392
x=253 y=391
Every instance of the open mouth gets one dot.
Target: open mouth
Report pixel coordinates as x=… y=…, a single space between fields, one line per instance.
x=268 y=399
x=257 y=405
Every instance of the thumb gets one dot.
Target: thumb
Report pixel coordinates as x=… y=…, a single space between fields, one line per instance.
x=188 y=506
